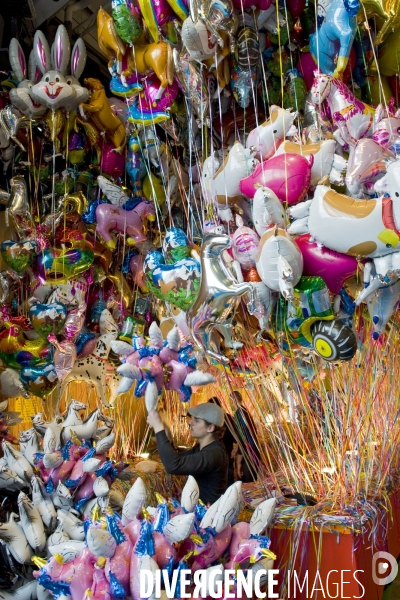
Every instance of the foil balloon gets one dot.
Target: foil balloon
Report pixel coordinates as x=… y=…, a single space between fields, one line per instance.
x=64 y=356
x=19 y=255
x=20 y=96
x=55 y=90
x=47 y=318
x=267 y=210
x=218 y=295
x=267 y=137
x=366 y=161
x=127 y=24
x=359 y=227
x=240 y=163
x=387 y=134
x=173 y=275
x=244 y=244
x=340 y=99
x=100 y=112
x=112 y=163
x=334 y=37
x=279 y=262
x=18 y=209
x=333 y=267
x=381 y=305
x=40 y=380
x=196 y=38
x=57 y=266
x=287 y=175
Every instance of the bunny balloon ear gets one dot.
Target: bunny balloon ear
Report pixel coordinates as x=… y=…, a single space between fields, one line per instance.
x=17 y=59
x=60 y=50
x=42 y=52
x=78 y=58
x=33 y=69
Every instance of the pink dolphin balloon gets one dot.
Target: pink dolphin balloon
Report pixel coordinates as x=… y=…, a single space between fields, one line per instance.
x=288 y=175
x=240 y=532
x=333 y=267
x=249 y=550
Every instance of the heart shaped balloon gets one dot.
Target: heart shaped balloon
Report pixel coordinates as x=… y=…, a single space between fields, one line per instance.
x=48 y=318
x=19 y=255
x=41 y=380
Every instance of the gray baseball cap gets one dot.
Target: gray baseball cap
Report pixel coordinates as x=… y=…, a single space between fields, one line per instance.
x=210 y=412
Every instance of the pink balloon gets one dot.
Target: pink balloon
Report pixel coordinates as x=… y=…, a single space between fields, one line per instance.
x=83 y=574
x=296 y=7
x=64 y=356
x=248 y=550
x=132 y=530
x=306 y=66
x=147 y=99
x=112 y=163
x=367 y=160
x=119 y=564
x=88 y=348
x=245 y=246
x=164 y=550
x=61 y=472
x=333 y=267
x=240 y=531
x=134 y=582
x=288 y=175
x=85 y=490
x=100 y=588
x=220 y=543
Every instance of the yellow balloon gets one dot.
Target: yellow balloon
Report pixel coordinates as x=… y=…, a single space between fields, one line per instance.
x=389 y=55
x=153 y=189
x=380 y=90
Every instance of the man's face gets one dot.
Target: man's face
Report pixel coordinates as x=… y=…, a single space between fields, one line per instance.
x=198 y=428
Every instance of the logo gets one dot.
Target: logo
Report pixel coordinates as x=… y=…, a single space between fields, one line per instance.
x=384 y=568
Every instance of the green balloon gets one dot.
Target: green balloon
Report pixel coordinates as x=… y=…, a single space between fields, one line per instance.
x=128 y=27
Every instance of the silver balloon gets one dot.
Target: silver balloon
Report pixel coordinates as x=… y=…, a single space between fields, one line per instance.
x=218 y=296
x=7 y=280
x=10 y=123
x=18 y=208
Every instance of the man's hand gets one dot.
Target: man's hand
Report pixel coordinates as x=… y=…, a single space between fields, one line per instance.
x=154 y=420
x=239 y=465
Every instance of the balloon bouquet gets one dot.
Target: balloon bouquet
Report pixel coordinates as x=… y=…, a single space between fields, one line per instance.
x=112 y=227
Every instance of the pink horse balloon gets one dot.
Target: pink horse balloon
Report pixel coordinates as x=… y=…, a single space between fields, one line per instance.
x=128 y=222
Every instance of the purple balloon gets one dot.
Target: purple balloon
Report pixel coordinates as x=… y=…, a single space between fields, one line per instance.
x=333 y=267
x=306 y=66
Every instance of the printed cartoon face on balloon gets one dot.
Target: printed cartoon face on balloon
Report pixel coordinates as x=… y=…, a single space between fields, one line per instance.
x=54 y=90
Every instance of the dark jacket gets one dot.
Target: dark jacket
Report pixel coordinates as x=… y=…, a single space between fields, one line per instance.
x=209 y=466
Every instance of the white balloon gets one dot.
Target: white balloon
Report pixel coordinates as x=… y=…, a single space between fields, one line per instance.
x=179 y=528
x=267 y=210
x=14 y=537
x=100 y=487
x=71 y=525
x=262 y=516
x=279 y=261
x=68 y=550
x=226 y=509
x=25 y=592
x=101 y=542
x=17 y=461
x=190 y=494
x=43 y=503
x=267 y=137
x=31 y=522
x=210 y=514
x=134 y=501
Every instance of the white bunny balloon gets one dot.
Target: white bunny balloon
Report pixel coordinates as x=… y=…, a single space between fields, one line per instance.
x=20 y=96
x=55 y=90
